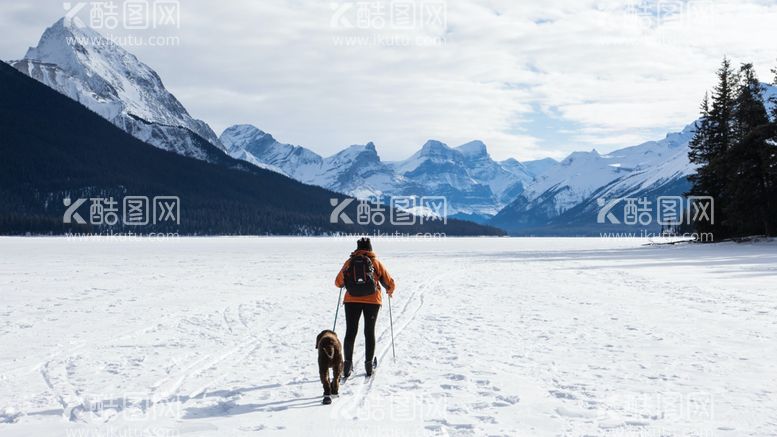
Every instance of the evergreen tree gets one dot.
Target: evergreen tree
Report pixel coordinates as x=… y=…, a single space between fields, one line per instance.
x=746 y=190
x=774 y=98
x=714 y=135
x=748 y=111
x=699 y=152
x=721 y=120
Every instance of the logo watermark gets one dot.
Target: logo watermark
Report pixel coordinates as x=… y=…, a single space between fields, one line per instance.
x=122 y=431
x=127 y=15
x=395 y=236
x=653 y=13
x=122 y=236
x=696 y=409
x=402 y=410
x=664 y=211
x=130 y=406
x=702 y=237
x=657 y=20
x=390 y=23
x=131 y=211
x=402 y=210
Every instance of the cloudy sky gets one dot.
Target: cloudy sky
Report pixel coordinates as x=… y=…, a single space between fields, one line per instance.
x=531 y=79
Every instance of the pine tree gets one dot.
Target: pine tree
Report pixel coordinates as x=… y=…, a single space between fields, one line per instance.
x=774 y=98
x=699 y=151
x=745 y=193
x=700 y=154
x=721 y=120
x=771 y=152
x=748 y=111
x=714 y=135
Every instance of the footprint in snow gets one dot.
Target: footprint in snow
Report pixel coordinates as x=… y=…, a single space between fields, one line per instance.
x=486 y=419
x=512 y=400
x=563 y=395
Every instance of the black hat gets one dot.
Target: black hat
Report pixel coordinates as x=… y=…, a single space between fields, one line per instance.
x=364 y=244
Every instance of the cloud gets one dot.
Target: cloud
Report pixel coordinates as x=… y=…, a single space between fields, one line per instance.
x=609 y=73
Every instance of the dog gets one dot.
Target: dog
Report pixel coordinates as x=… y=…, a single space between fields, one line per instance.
x=330 y=356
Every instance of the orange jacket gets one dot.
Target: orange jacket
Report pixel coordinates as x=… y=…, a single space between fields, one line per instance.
x=382 y=276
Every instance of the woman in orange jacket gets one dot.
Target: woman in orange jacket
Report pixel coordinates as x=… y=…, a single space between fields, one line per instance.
x=362 y=275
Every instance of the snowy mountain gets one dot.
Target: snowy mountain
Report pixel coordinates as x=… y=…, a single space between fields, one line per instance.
x=473 y=183
x=83 y=65
x=54 y=148
x=506 y=180
x=516 y=194
x=536 y=167
x=89 y=68
x=439 y=170
x=583 y=177
x=251 y=144
x=358 y=170
x=564 y=196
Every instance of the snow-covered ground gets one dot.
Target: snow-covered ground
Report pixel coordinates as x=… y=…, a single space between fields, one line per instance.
x=518 y=337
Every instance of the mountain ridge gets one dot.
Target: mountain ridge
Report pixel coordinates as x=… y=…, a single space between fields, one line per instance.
x=55 y=148
x=467 y=174
x=109 y=80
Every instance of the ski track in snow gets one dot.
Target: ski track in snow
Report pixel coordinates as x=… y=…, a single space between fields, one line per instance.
x=534 y=337
x=356 y=398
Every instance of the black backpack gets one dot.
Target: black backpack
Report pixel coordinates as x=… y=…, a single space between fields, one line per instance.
x=360 y=276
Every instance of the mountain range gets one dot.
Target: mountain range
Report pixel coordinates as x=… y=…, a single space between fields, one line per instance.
x=472 y=182
x=542 y=196
x=56 y=152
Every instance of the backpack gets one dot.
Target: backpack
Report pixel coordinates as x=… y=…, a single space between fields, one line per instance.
x=360 y=276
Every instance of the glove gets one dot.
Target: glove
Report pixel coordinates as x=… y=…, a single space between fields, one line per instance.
x=390 y=293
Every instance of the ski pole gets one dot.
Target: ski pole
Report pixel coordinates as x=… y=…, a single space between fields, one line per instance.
x=337 y=309
x=391 y=321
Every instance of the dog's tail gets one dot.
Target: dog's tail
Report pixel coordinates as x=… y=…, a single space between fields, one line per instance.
x=330 y=352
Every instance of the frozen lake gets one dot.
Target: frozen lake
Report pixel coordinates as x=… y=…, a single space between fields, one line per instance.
x=494 y=336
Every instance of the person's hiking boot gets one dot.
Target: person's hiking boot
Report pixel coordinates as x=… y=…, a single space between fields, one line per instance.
x=347 y=369
x=368 y=367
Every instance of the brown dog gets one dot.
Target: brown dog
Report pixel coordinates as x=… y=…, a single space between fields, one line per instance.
x=330 y=355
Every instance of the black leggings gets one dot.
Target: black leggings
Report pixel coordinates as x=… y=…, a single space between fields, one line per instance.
x=353 y=312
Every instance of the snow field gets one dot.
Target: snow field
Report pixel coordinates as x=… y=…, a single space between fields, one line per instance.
x=494 y=336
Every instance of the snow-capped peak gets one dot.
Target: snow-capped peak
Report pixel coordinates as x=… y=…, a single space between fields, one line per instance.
x=473 y=149
x=512 y=163
x=247 y=142
x=434 y=148
x=244 y=130
x=94 y=70
x=578 y=157
x=239 y=135
x=61 y=43
x=355 y=151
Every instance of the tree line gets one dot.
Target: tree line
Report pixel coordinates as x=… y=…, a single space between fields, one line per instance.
x=735 y=149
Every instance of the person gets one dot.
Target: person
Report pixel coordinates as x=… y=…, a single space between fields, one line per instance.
x=363 y=296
